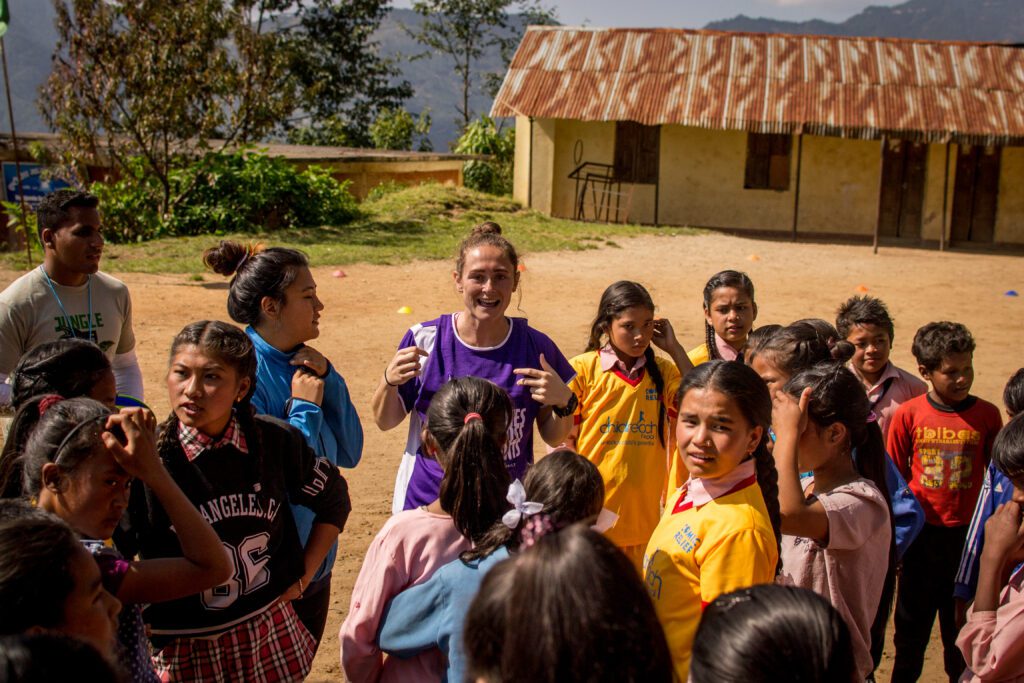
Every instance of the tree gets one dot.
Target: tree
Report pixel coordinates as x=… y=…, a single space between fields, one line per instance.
x=165 y=82
x=466 y=30
x=344 y=81
x=397 y=129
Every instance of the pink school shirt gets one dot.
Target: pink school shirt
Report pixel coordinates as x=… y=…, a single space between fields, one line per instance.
x=410 y=547
x=991 y=641
x=895 y=387
x=849 y=570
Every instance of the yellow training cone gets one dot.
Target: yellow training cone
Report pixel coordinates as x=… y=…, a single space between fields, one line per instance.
x=404 y=310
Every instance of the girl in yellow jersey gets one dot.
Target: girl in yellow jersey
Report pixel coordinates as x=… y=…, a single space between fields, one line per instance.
x=720 y=530
x=625 y=393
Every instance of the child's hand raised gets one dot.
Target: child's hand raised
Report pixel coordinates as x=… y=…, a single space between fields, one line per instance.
x=664 y=335
x=1004 y=534
x=138 y=456
x=789 y=415
x=310 y=358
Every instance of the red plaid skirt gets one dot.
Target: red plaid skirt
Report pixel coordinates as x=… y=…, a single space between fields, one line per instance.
x=272 y=646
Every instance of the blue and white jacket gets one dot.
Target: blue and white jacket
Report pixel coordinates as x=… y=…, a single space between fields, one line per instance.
x=332 y=429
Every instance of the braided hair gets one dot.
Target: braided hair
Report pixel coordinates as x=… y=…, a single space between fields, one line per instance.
x=619 y=297
x=726 y=278
x=741 y=385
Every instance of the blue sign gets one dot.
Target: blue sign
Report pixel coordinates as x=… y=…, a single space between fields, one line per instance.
x=34 y=185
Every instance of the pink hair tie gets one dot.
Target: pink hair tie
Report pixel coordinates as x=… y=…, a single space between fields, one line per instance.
x=472 y=416
x=48 y=402
x=872 y=417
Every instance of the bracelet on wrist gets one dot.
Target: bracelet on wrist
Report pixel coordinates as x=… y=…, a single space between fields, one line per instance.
x=388 y=382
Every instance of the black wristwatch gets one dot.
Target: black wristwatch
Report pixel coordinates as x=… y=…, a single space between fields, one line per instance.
x=568 y=409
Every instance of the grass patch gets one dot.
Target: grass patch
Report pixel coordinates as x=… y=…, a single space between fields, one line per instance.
x=424 y=222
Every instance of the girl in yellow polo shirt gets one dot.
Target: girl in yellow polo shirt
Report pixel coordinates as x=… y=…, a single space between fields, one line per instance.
x=625 y=406
x=720 y=530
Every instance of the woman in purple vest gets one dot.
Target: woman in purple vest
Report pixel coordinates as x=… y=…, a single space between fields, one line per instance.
x=479 y=341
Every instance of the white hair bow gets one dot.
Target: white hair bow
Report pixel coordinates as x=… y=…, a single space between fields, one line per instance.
x=520 y=506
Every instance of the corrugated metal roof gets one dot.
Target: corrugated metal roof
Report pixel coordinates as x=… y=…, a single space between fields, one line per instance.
x=822 y=85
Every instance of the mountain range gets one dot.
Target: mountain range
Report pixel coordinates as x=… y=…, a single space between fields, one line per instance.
x=30 y=40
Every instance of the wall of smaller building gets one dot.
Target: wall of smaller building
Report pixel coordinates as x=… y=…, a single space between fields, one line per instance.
x=1010 y=203
x=366 y=175
x=702 y=174
x=839 y=186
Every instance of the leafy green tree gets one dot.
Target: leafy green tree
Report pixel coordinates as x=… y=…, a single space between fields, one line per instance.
x=165 y=82
x=465 y=30
x=397 y=129
x=485 y=138
x=344 y=81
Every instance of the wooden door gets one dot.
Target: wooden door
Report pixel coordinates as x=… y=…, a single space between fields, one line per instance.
x=975 y=194
x=901 y=204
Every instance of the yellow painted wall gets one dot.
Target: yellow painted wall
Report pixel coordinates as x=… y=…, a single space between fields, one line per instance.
x=839 y=190
x=544 y=179
x=521 y=162
x=702 y=173
x=934 y=186
x=1010 y=204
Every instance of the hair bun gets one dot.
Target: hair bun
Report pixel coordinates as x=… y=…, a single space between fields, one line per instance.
x=228 y=257
x=486 y=228
x=842 y=351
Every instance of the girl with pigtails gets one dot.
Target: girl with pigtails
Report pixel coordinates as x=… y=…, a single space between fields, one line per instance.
x=465 y=431
x=720 y=530
x=242 y=472
x=626 y=396
x=729 y=315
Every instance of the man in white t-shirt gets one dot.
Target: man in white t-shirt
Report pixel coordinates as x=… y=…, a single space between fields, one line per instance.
x=67 y=296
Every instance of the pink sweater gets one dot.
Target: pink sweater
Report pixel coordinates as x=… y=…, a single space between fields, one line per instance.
x=991 y=641
x=407 y=551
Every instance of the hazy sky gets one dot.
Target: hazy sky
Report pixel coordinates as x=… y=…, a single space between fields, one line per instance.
x=696 y=13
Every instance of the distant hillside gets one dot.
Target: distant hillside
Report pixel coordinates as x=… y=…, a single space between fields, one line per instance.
x=31 y=39
x=32 y=36
x=999 y=21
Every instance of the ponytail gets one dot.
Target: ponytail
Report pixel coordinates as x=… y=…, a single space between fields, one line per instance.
x=710 y=342
x=768 y=482
x=659 y=386
x=837 y=396
x=468 y=422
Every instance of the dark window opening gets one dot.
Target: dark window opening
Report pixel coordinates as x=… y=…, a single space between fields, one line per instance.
x=636 y=152
x=768 y=161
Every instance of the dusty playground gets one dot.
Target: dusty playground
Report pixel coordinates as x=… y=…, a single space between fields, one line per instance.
x=361 y=327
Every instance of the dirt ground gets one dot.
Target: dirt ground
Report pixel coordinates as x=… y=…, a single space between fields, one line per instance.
x=361 y=327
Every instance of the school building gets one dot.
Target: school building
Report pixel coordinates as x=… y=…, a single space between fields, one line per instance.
x=830 y=137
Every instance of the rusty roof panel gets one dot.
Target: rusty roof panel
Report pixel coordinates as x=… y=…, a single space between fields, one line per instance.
x=852 y=87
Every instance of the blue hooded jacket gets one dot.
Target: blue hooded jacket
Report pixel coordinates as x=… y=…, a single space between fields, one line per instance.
x=332 y=430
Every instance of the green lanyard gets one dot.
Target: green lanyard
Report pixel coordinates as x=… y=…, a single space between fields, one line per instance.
x=67 y=318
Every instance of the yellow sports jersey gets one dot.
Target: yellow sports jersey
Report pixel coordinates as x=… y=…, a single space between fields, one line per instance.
x=698 y=553
x=618 y=432
x=699 y=354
